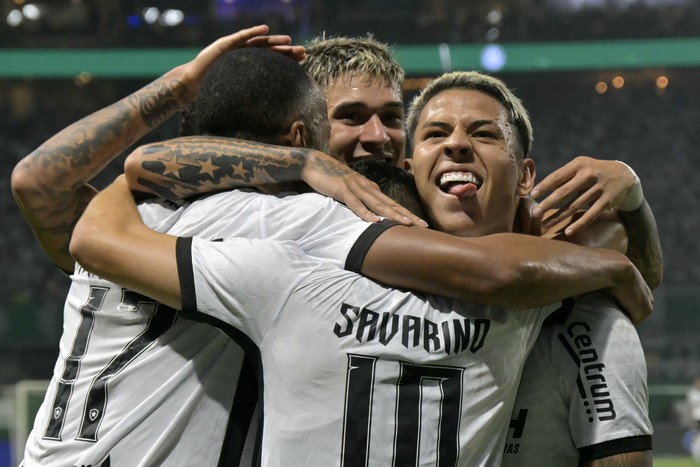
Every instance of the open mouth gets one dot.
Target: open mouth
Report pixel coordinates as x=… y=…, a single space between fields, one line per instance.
x=460 y=183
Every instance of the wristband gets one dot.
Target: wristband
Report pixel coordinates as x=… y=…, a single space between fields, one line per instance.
x=634 y=199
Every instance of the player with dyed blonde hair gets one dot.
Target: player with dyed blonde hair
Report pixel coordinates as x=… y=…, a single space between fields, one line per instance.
x=517 y=115
x=363 y=83
x=513 y=124
x=328 y=59
x=583 y=396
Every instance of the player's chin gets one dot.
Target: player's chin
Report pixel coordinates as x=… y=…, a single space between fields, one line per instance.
x=449 y=216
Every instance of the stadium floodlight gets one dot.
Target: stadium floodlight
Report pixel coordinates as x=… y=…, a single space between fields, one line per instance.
x=31 y=11
x=493 y=57
x=172 y=17
x=151 y=14
x=14 y=18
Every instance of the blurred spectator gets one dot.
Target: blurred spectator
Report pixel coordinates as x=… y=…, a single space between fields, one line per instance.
x=692 y=437
x=693 y=399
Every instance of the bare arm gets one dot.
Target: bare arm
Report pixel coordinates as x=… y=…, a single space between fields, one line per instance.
x=510 y=270
x=111 y=240
x=182 y=167
x=594 y=186
x=630 y=459
x=51 y=186
x=505 y=269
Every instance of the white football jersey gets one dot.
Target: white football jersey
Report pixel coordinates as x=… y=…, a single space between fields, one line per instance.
x=137 y=385
x=355 y=373
x=583 y=394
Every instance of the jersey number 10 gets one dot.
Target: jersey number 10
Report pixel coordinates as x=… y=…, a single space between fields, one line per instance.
x=409 y=405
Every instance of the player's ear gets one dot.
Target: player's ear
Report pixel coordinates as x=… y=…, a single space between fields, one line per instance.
x=527 y=177
x=297 y=134
x=408 y=165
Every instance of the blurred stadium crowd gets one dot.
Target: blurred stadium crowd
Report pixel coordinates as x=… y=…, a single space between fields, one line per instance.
x=179 y=23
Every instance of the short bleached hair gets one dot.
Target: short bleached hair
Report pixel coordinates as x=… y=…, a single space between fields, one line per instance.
x=329 y=58
x=517 y=115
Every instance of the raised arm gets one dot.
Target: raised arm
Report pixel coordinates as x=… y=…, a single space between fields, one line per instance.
x=596 y=186
x=51 y=186
x=185 y=166
x=511 y=270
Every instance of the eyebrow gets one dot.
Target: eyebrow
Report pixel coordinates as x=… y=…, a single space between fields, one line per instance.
x=355 y=104
x=437 y=124
x=447 y=126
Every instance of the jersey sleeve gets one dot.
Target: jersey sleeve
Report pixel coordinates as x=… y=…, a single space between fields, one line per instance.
x=159 y=214
x=322 y=227
x=608 y=411
x=241 y=283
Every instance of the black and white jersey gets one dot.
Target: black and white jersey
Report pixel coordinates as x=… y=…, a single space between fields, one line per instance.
x=583 y=393
x=355 y=373
x=135 y=384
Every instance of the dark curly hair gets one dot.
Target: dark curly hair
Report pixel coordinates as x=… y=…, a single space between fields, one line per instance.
x=256 y=94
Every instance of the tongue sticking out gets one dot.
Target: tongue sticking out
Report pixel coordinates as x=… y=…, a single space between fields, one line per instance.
x=462 y=190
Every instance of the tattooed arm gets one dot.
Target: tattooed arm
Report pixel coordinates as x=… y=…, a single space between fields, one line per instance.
x=644 y=245
x=51 y=186
x=182 y=167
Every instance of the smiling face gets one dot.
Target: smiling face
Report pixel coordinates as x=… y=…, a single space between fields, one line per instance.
x=366 y=117
x=467 y=164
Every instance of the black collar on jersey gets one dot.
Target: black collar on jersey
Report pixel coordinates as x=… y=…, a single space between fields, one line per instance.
x=559 y=315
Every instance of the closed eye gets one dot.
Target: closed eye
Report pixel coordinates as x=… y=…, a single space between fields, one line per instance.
x=486 y=134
